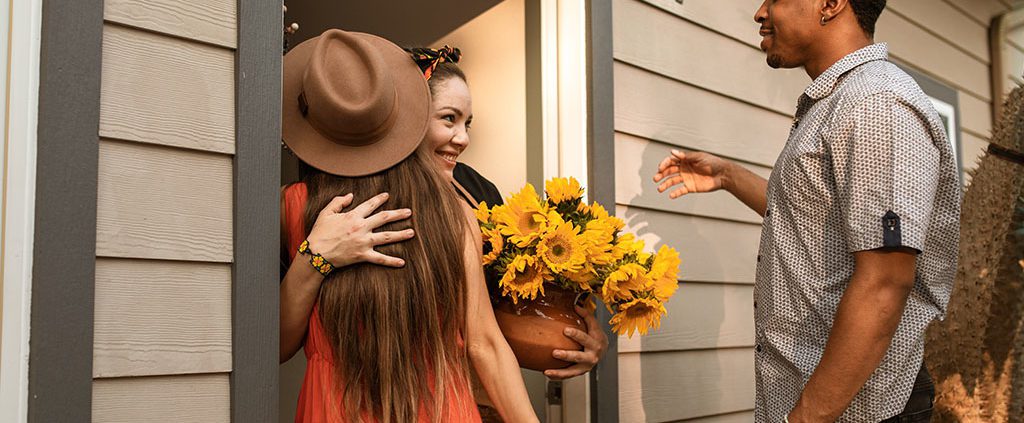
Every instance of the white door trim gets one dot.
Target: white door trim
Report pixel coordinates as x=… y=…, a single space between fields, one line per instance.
x=22 y=22
x=564 y=90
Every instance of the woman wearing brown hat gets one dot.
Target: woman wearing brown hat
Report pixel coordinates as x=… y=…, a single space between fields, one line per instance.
x=388 y=344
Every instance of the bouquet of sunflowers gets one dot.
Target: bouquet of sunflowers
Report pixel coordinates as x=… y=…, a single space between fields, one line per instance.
x=564 y=242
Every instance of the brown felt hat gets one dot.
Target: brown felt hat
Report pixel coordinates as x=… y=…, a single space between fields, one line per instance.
x=354 y=104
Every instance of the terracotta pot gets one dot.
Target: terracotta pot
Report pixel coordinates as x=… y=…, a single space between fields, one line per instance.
x=534 y=328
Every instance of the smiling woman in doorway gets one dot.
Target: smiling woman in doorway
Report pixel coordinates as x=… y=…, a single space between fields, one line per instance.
x=447 y=138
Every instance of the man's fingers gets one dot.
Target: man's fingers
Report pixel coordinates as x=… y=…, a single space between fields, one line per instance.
x=675 y=180
x=679 y=192
x=663 y=167
x=387 y=216
x=337 y=204
x=679 y=156
x=370 y=205
x=566 y=373
x=384 y=260
x=381 y=238
x=665 y=173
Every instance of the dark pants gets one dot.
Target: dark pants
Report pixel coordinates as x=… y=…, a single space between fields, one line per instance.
x=919 y=406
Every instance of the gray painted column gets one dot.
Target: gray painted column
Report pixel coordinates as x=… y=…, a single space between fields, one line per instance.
x=64 y=250
x=604 y=379
x=255 y=276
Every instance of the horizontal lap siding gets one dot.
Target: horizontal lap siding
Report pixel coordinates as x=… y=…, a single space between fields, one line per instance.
x=156 y=317
x=162 y=90
x=162 y=348
x=211 y=21
x=163 y=203
x=681 y=385
x=177 y=399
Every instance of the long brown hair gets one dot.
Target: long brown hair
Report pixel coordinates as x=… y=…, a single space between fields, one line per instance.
x=395 y=331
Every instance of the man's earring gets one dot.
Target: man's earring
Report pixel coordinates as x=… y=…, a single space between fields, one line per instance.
x=823 y=21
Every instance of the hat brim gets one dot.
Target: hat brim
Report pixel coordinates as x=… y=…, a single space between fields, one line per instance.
x=412 y=105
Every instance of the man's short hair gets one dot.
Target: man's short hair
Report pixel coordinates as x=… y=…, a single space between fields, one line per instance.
x=867 y=12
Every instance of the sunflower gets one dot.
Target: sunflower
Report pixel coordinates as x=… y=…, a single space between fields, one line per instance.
x=563 y=189
x=560 y=247
x=597 y=240
x=663 y=272
x=524 y=278
x=523 y=219
x=483 y=214
x=584 y=278
x=625 y=245
x=621 y=284
x=582 y=208
x=497 y=243
x=638 y=315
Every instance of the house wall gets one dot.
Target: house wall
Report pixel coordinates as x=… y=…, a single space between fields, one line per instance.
x=1007 y=54
x=690 y=75
x=164 y=238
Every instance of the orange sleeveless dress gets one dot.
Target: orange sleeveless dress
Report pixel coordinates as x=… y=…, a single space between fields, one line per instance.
x=319 y=401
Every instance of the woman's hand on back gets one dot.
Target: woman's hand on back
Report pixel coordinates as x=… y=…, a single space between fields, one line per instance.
x=345 y=238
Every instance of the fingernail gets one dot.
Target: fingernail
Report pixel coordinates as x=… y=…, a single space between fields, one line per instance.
x=401 y=263
x=385 y=195
x=567 y=331
x=675 y=151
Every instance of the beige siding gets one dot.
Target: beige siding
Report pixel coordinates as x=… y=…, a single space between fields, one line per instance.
x=177 y=399
x=164 y=241
x=685 y=384
x=1008 y=48
x=691 y=76
x=211 y=21
x=163 y=203
x=159 y=89
x=157 y=317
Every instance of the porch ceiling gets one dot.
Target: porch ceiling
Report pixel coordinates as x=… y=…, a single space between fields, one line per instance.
x=405 y=22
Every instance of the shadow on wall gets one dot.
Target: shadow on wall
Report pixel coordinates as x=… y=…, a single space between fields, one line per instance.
x=664 y=381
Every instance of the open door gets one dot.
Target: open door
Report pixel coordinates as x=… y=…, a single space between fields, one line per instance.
x=540 y=76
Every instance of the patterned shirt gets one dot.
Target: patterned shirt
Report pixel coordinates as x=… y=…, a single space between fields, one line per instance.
x=867 y=166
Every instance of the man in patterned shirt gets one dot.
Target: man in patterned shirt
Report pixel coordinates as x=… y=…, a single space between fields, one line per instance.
x=861 y=224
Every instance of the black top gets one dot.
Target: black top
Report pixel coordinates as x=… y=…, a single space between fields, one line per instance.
x=479 y=187
x=482 y=190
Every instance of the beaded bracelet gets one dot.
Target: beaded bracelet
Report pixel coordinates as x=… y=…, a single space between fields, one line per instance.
x=319 y=262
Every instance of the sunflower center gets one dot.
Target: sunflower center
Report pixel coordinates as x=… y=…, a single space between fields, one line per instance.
x=528 y=274
x=638 y=310
x=559 y=250
x=527 y=224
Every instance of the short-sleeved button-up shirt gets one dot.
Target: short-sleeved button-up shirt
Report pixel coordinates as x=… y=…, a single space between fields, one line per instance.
x=867 y=166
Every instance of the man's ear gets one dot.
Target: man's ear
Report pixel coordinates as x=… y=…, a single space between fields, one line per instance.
x=832 y=8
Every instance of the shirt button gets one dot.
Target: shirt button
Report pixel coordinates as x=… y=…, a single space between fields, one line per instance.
x=758 y=258
x=757 y=348
x=755 y=304
x=768 y=213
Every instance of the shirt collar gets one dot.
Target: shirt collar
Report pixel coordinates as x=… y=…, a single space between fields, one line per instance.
x=825 y=83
